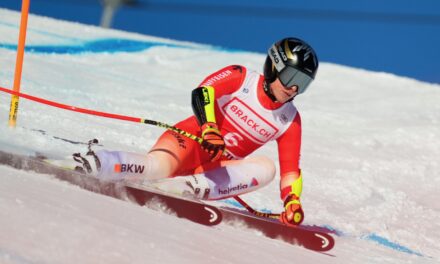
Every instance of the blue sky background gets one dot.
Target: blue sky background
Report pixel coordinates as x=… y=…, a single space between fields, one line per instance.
x=401 y=37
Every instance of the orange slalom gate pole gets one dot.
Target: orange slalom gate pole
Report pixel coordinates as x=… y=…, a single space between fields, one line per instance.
x=19 y=63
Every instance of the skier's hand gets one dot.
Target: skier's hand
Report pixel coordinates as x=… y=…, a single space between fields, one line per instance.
x=213 y=142
x=293 y=214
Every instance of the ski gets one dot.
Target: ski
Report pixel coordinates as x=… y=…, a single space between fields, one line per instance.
x=310 y=237
x=193 y=210
x=190 y=209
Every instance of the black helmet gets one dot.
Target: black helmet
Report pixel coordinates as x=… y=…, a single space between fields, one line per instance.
x=293 y=61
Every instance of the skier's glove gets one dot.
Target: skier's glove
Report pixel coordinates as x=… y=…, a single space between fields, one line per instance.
x=293 y=214
x=213 y=142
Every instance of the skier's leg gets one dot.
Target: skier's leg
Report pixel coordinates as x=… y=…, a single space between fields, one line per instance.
x=234 y=177
x=172 y=152
x=118 y=165
x=240 y=177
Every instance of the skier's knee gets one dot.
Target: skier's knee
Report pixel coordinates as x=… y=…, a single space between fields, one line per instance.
x=263 y=168
x=268 y=169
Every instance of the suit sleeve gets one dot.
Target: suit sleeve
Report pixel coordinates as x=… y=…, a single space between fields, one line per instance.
x=289 y=148
x=226 y=80
x=222 y=82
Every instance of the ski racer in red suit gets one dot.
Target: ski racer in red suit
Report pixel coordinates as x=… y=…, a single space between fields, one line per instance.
x=236 y=111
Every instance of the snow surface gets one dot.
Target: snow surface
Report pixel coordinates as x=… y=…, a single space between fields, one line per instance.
x=370 y=155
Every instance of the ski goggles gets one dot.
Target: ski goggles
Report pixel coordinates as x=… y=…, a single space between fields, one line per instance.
x=289 y=75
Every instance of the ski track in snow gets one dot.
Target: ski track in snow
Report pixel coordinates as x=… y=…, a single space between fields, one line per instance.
x=369 y=156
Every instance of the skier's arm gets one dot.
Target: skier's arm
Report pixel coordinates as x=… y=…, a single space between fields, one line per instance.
x=203 y=100
x=226 y=80
x=289 y=146
x=222 y=82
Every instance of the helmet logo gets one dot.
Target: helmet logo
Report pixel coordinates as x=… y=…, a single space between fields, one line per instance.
x=281 y=51
x=275 y=57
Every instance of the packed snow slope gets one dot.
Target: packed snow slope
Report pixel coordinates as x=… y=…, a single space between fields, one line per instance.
x=370 y=155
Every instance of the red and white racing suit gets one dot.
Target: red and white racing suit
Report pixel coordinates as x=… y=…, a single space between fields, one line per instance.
x=247 y=119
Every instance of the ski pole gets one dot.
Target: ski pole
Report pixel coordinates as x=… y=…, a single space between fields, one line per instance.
x=173 y=128
x=255 y=212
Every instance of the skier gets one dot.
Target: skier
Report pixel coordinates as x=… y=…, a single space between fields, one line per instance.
x=236 y=111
